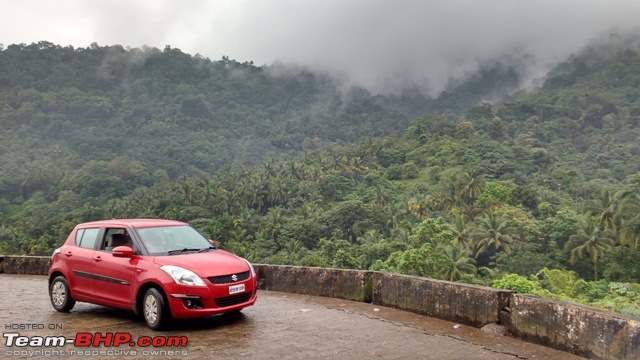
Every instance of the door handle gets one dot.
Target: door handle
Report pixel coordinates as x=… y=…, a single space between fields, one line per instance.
x=97 y=258
x=68 y=254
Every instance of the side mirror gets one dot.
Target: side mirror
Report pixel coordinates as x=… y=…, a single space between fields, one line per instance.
x=122 y=252
x=213 y=243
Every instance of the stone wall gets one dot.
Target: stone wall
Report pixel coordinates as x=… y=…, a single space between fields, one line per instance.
x=461 y=303
x=574 y=328
x=336 y=283
x=26 y=265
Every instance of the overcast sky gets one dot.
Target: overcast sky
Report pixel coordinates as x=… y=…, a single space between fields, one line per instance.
x=375 y=43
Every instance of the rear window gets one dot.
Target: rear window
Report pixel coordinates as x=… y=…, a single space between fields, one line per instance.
x=86 y=238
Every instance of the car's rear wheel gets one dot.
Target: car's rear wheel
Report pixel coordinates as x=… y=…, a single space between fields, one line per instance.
x=154 y=309
x=60 y=295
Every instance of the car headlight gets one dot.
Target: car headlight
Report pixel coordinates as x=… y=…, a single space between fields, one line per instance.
x=183 y=276
x=253 y=271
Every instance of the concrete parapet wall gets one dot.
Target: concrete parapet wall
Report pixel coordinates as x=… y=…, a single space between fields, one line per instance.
x=574 y=328
x=462 y=303
x=27 y=265
x=337 y=283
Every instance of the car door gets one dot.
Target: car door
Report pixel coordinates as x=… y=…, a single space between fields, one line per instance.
x=80 y=260
x=113 y=278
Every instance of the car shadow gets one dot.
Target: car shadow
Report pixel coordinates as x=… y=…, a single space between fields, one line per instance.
x=211 y=322
x=99 y=316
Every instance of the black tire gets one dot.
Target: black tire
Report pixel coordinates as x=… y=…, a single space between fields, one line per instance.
x=60 y=295
x=154 y=309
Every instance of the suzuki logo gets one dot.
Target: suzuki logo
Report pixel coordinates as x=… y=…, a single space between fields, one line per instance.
x=234 y=277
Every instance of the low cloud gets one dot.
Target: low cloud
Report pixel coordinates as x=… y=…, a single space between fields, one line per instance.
x=382 y=45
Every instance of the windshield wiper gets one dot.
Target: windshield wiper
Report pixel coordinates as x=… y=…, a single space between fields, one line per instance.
x=181 y=251
x=207 y=249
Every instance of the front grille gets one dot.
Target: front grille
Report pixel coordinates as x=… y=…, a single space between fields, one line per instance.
x=233 y=299
x=226 y=279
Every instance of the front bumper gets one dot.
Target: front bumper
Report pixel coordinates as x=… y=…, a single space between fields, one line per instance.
x=194 y=302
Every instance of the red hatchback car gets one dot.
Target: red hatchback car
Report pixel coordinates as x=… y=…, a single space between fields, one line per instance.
x=162 y=269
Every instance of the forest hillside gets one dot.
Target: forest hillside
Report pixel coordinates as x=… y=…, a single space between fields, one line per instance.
x=538 y=192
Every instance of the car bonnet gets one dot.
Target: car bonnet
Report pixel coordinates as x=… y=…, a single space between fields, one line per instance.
x=210 y=263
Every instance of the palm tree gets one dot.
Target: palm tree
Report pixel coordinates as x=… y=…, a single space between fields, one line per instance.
x=492 y=232
x=460 y=225
x=273 y=220
x=381 y=195
x=590 y=239
x=245 y=218
x=279 y=191
x=258 y=195
x=458 y=262
x=309 y=210
x=629 y=214
x=401 y=234
x=471 y=184
x=292 y=249
x=371 y=237
x=369 y=149
x=316 y=173
x=604 y=208
x=269 y=169
x=186 y=190
x=295 y=169
x=239 y=235
x=394 y=214
x=418 y=205
x=452 y=197
x=229 y=199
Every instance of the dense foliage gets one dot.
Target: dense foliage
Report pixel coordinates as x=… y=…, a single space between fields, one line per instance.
x=538 y=193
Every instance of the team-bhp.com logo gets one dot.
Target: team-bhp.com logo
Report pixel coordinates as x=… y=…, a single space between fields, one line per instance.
x=17 y=344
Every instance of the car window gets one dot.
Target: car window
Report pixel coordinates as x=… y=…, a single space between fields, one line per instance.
x=86 y=238
x=162 y=239
x=114 y=237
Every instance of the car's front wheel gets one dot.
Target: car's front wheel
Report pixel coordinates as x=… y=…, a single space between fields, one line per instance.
x=60 y=295
x=154 y=309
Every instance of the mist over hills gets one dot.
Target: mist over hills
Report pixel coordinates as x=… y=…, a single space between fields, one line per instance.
x=126 y=99
x=188 y=115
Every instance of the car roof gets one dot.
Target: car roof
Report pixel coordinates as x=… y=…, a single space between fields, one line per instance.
x=134 y=223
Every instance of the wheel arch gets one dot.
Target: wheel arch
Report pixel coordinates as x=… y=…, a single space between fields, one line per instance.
x=54 y=275
x=137 y=305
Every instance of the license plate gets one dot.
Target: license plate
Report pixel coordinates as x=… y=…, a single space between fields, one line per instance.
x=236 y=289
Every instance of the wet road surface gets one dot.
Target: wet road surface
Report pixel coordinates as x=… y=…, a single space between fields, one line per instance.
x=280 y=326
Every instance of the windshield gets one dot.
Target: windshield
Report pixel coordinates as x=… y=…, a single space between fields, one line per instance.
x=163 y=240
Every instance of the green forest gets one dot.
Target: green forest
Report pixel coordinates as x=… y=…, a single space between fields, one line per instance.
x=539 y=193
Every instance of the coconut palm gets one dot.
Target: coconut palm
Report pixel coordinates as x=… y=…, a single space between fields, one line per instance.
x=471 y=184
x=460 y=225
x=273 y=220
x=279 y=191
x=590 y=239
x=292 y=249
x=371 y=237
x=418 y=205
x=458 y=262
x=603 y=207
x=629 y=215
x=492 y=232
x=452 y=197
